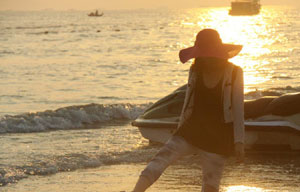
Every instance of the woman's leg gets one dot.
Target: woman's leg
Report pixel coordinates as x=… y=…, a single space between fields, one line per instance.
x=212 y=168
x=142 y=184
x=175 y=148
x=208 y=188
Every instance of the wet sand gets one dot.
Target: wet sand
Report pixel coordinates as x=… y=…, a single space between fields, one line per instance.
x=259 y=175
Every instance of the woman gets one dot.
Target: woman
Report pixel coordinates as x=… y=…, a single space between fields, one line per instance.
x=212 y=119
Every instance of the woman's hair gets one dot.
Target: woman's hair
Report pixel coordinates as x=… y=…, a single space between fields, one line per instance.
x=208 y=64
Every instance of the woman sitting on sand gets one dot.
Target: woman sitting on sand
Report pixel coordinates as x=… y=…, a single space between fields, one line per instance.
x=212 y=119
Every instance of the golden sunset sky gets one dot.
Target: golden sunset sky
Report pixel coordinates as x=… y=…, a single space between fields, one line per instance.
x=123 y=4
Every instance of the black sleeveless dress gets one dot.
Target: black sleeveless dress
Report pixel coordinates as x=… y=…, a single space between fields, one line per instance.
x=205 y=128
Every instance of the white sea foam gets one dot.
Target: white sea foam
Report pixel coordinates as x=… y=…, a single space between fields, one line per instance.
x=71 y=162
x=72 y=117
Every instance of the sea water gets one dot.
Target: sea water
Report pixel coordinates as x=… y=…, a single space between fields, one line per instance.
x=71 y=84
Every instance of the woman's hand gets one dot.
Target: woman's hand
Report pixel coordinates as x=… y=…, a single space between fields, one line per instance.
x=239 y=152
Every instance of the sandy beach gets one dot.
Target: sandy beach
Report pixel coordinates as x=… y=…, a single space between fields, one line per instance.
x=183 y=176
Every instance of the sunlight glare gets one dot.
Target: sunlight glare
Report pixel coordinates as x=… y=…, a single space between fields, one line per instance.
x=242 y=188
x=253 y=32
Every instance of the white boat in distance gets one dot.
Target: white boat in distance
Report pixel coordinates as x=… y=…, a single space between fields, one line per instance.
x=245 y=7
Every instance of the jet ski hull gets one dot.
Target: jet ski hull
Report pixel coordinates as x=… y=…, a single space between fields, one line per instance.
x=260 y=136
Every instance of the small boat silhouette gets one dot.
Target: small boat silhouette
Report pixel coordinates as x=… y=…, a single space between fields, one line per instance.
x=95 y=14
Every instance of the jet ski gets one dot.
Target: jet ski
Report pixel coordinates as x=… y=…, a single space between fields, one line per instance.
x=271 y=122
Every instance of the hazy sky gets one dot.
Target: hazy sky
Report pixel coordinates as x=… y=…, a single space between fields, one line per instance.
x=122 y=4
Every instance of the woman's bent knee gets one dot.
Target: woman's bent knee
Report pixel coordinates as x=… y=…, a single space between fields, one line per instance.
x=158 y=164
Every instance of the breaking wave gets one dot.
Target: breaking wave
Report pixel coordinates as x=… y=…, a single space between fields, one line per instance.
x=76 y=117
x=72 y=117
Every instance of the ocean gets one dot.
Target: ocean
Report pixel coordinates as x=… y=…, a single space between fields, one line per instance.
x=70 y=85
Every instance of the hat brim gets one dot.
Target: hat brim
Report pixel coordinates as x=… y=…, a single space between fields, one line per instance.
x=225 y=51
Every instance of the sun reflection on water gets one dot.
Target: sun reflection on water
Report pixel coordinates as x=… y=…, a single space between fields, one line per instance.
x=257 y=34
x=242 y=188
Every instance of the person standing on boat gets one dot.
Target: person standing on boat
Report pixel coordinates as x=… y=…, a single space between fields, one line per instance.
x=212 y=119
